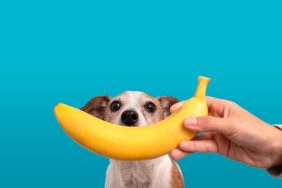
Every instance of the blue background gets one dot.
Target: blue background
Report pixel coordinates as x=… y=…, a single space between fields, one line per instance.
x=69 y=51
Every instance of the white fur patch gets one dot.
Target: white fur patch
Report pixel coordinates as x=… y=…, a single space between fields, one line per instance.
x=133 y=103
x=153 y=173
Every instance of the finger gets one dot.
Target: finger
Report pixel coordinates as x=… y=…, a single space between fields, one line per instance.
x=218 y=107
x=211 y=124
x=176 y=106
x=177 y=154
x=205 y=146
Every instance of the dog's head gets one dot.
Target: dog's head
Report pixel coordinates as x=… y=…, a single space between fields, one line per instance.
x=131 y=108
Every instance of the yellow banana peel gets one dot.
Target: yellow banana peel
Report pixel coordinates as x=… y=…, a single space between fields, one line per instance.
x=132 y=143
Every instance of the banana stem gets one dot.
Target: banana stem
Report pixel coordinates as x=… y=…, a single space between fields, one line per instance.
x=202 y=87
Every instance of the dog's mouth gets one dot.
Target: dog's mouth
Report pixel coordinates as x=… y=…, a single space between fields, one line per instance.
x=123 y=124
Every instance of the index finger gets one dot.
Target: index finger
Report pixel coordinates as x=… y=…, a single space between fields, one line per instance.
x=176 y=106
x=217 y=107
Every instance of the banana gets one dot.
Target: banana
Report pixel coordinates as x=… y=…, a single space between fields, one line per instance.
x=132 y=143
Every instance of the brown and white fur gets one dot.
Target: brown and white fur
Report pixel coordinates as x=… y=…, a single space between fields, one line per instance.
x=161 y=172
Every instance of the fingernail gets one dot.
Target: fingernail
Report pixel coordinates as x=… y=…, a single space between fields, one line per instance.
x=190 y=122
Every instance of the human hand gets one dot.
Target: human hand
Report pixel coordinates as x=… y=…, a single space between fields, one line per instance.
x=231 y=131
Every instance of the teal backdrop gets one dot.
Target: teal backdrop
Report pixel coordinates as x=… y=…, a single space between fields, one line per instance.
x=69 y=51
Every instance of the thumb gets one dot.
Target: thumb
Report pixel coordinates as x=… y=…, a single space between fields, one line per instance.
x=211 y=124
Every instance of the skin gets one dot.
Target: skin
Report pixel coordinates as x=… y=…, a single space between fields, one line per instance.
x=231 y=131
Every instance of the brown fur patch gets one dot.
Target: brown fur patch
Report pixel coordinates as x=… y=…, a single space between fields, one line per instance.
x=97 y=106
x=176 y=179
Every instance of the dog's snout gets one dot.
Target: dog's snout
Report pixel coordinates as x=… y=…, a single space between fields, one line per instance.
x=129 y=117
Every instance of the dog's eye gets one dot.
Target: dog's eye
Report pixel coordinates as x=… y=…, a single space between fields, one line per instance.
x=150 y=107
x=115 y=106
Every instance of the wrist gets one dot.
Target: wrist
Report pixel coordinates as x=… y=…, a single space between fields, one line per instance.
x=277 y=147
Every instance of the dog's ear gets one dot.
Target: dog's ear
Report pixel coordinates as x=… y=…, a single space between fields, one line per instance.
x=97 y=106
x=166 y=102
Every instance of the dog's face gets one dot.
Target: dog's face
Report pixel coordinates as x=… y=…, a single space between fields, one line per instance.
x=131 y=108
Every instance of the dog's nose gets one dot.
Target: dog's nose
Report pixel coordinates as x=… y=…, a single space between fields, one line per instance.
x=129 y=117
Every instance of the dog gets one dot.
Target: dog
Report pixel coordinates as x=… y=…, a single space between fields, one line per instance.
x=134 y=108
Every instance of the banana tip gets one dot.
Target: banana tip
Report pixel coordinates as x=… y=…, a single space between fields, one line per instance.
x=204 y=78
x=58 y=107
